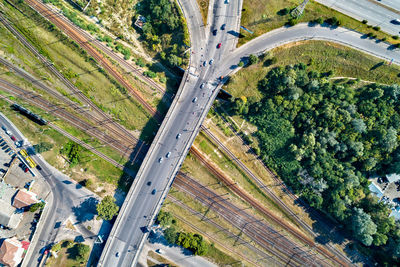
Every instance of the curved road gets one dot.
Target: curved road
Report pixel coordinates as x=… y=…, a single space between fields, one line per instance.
x=302 y=32
x=189 y=109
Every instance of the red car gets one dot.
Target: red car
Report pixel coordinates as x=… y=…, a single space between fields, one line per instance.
x=13 y=138
x=219 y=45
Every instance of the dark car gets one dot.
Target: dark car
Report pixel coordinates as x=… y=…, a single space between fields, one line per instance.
x=223 y=26
x=219 y=45
x=153 y=192
x=38 y=167
x=215 y=32
x=395 y=21
x=13 y=138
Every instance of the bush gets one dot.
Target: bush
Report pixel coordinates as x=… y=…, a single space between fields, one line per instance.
x=376 y=28
x=82 y=252
x=284 y=11
x=107 y=208
x=241 y=64
x=319 y=21
x=396 y=37
x=150 y=74
x=56 y=247
x=253 y=59
x=364 y=21
x=292 y=22
x=171 y=235
x=42 y=147
x=37 y=206
x=384 y=39
x=333 y=21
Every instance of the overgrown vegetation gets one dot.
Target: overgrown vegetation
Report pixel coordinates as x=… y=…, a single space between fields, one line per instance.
x=37 y=206
x=193 y=242
x=337 y=135
x=73 y=152
x=43 y=147
x=165 y=32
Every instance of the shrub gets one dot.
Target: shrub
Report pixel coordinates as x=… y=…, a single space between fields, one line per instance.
x=364 y=21
x=396 y=37
x=241 y=64
x=376 y=28
x=319 y=21
x=107 y=208
x=253 y=59
x=384 y=39
x=292 y=22
x=36 y=206
x=56 y=247
x=150 y=74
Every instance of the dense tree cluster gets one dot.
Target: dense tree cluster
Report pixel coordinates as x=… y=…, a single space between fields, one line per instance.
x=165 y=30
x=73 y=151
x=337 y=136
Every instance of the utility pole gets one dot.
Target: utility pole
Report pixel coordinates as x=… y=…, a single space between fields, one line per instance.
x=299 y=9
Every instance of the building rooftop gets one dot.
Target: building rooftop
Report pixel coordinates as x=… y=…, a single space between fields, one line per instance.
x=11 y=252
x=393 y=177
x=24 y=198
x=376 y=190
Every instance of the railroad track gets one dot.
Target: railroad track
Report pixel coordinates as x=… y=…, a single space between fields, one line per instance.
x=65 y=115
x=71 y=31
x=253 y=202
x=271 y=240
x=220 y=228
x=99 y=117
x=271 y=194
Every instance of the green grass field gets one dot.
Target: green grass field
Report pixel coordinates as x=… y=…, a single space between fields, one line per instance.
x=262 y=16
x=322 y=57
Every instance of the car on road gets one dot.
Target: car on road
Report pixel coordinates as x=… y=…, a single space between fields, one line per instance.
x=9 y=133
x=211 y=61
x=395 y=21
x=205 y=63
x=194 y=100
x=178 y=136
x=117 y=254
x=26 y=169
x=226 y=1
x=202 y=85
x=215 y=32
x=223 y=26
x=219 y=45
x=168 y=155
x=159 y=251
x=4 y=128
x=149 y=183
x=160 y=160
x=13 y=138
x=153 y=192
x=38 y=167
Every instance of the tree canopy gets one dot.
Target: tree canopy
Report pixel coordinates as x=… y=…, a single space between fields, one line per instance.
x=337 y=135
x=107 y=208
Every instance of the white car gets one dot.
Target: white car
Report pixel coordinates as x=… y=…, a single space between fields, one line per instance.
x=194 y=100
x=168 y=155
x=160 y=160
x=178 y=136
x=202 y=86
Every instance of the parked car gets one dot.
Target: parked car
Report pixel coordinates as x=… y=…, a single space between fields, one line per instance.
x=153 y=192
x=194 y=100
x=178 y=136
x=215 y=32
x=223 y=26
x=160 y=160
x=13 y=138
x=219 y=45
x=168 y=155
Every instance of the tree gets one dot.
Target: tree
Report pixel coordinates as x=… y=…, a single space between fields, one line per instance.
x=37 y=206
x=56 y=247
x=174 y=60
x=107 y=208
x=359 y=125
x=42 y=147
x=363 y=227
x=171 y=235
x=165 y=218
x=390 y=140
x=253 y=59
x=82 y=251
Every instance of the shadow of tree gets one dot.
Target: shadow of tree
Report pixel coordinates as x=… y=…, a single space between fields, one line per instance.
x=86 y=210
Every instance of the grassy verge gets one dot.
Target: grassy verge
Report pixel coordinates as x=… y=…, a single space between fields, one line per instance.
x=261 y=17
x=203 y=6
x=68 y=256
x=320 y=56
x=216 y=253
x=82 y=71
x=104 y=175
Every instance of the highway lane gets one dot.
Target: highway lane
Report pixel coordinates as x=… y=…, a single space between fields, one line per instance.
x=369 y=10
x=184 y=117
x=65 y=196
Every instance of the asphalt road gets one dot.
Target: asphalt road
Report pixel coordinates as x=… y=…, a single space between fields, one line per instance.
x=302 y=32
x=188 y=110
x=186 y=114
x=376 y=15
x=65 y=196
